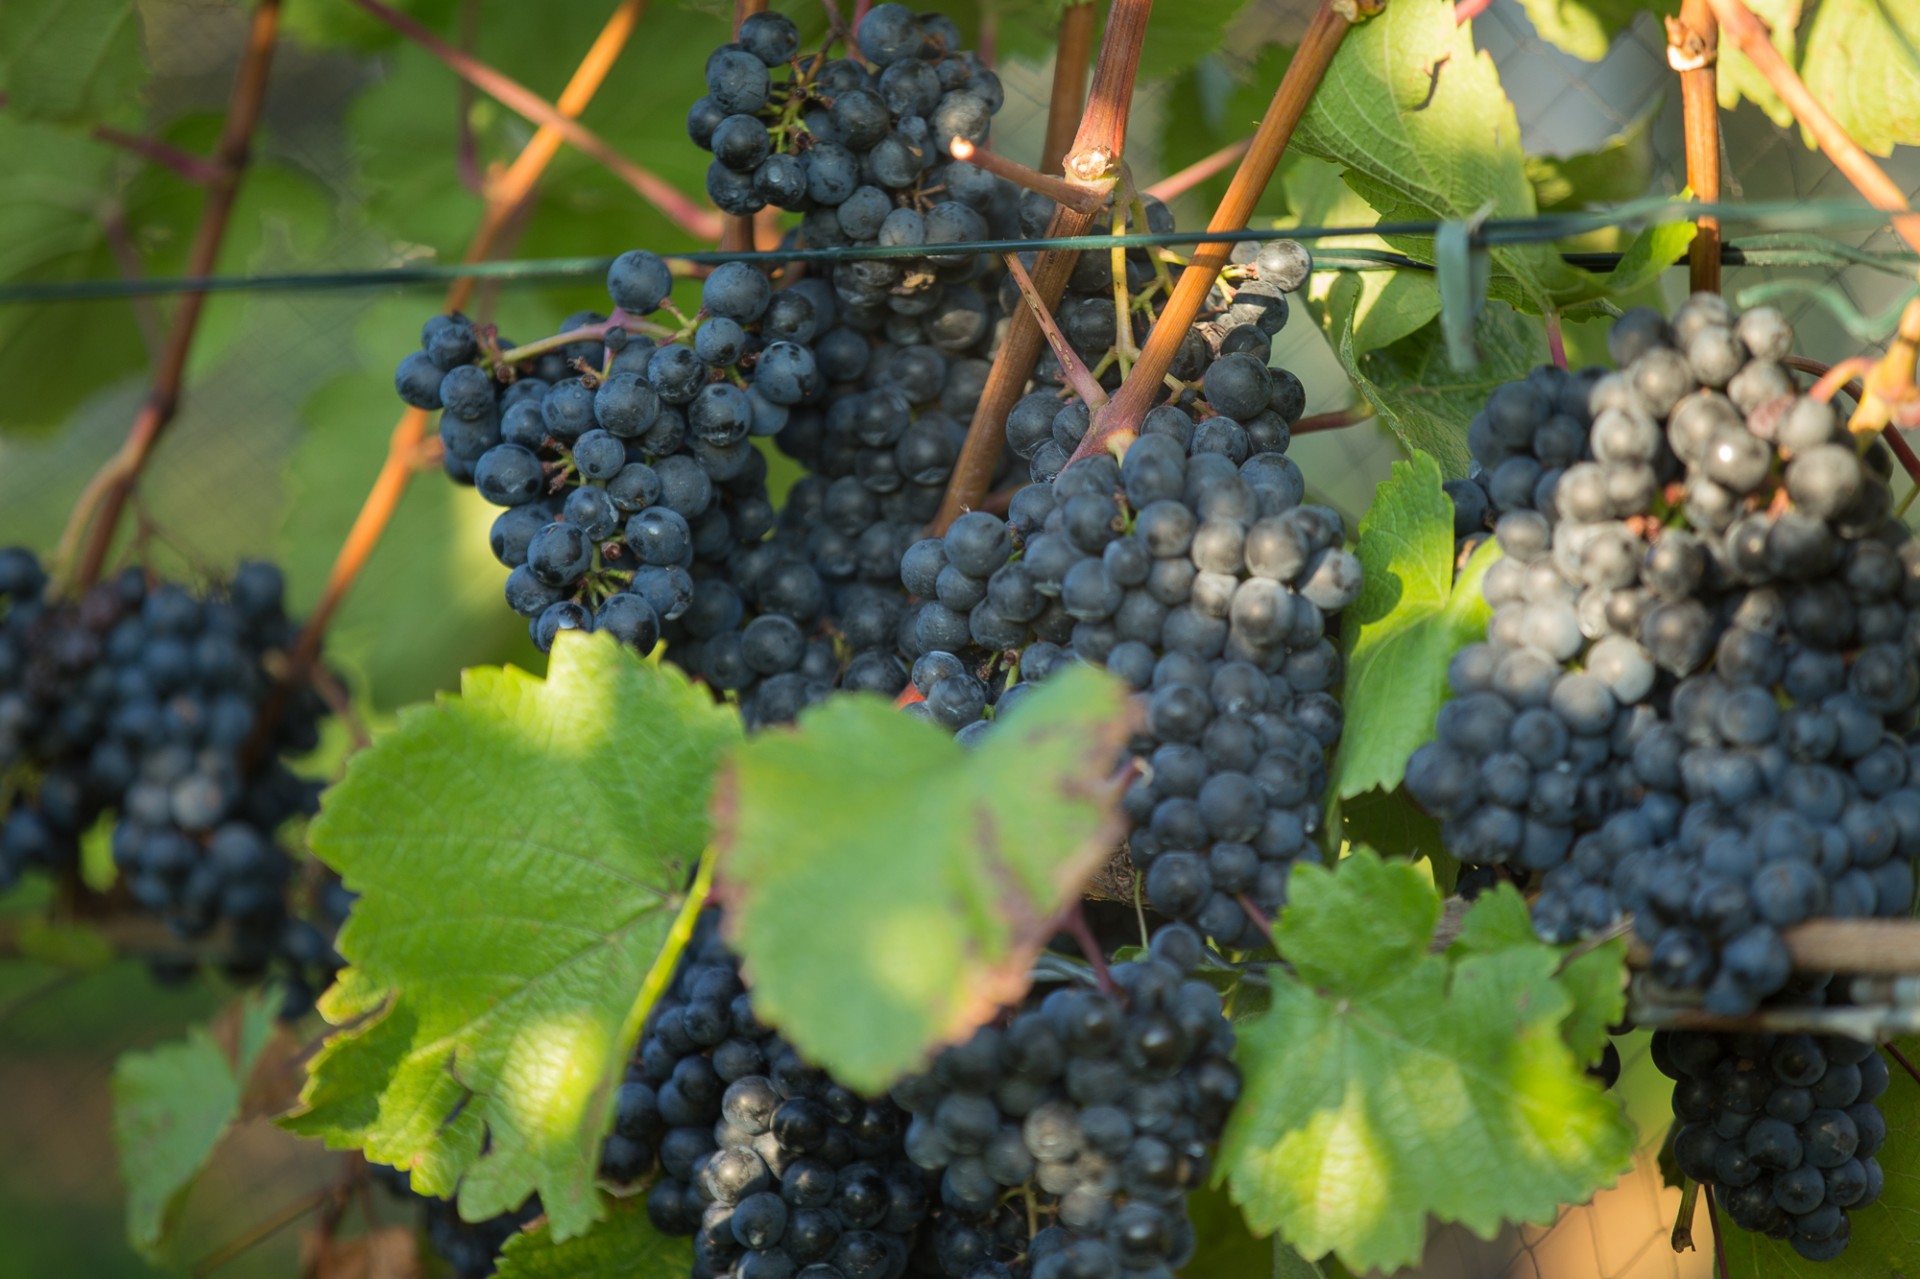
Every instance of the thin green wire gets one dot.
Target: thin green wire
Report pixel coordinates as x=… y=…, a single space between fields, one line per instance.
x=1787 y=245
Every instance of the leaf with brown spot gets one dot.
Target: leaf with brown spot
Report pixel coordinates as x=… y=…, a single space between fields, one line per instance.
x=888 y=889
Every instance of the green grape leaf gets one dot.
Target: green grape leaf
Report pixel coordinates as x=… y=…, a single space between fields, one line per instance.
x=1387 y=1084
x=71 y=60
x=59 y=193
x=1419 y=121
x=1863 y=65
x=1885 y=1237
x=1225 y=1248
x=50 y=231
x=171 y=1106
x=900 y=913
x=1180 y=35
x=1596 y=978
x=1653 y=251
x=1616 y=171
x=1390 y=822
x=1585 y=28
x=1417 y=392
x=521 y=852
x=1735 y=76
x=623 y=1246
x=1410 y=619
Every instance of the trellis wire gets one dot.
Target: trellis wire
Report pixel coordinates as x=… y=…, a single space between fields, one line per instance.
x=1789 y=244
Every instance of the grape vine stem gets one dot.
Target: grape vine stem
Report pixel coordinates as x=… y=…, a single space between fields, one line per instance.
x=1713 y=1224
x=1070 y=55
x=1093 y=162
x=1693 y=50
x=1071 y=366
x=704 y=224
x=102 y=502
x=1178 y=184
x=1752 y=38
x=508 y=195
x=1120 y=418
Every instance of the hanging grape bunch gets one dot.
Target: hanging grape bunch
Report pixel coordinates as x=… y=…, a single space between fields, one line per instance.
x=1688 y=703
x=138 y=703
x=1783 y=1127
x=1193 y=570
x=1068 y=1137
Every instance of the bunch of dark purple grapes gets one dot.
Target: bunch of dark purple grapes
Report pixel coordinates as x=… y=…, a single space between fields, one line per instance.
x=1193 y=570
x=1690 y=704
x=1783 y=1127
x=138 y=704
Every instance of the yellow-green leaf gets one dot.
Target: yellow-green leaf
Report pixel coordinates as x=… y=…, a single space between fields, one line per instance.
x=521 y=852
x=888 y=889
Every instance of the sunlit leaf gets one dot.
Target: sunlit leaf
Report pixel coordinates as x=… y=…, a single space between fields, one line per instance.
x=938 y=867
x=1387 y=1084
x=521 y=852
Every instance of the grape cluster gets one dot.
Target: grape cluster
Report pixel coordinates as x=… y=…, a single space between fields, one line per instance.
x=863 y=152
x=637 y=502
x=630 y=478
x=1095 y=1108
x=1193 y=571
x=138 y=703
x=1689 y=701
x=1783 y=1127
x=774 y=1169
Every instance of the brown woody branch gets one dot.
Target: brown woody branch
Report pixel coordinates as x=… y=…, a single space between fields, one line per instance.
x=1750 y=35
x=1121 y=417
x=1693 y=49
x=1069 y=83
x=104 y=499
x=701 y=223
x=1094 y=161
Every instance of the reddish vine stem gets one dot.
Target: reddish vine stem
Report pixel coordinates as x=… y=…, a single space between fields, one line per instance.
x=1074 y=921
x=1468 y=10
x=511 y=193
x=1069 y=83
x=1750 y=35
x=1841 y=377
x=1071 y=368
x=1094 y=161
x=1254 y=913
x=1078 y=198
x=1183 y=181
x=1117 y=422
x=1352 y=416
x=196 y=169
x=701 y=223
x=105 y=498
x=1904 y=1064
x=1693 y=50
x=1713 y=1224
x=466 y=148
x=736 y=229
